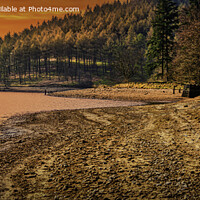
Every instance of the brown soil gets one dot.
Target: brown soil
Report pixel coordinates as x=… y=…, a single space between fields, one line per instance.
x=130 y=94
x=142 y=152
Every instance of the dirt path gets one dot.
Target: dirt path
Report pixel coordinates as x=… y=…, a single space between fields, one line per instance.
x=12 y=103
x=144 y=152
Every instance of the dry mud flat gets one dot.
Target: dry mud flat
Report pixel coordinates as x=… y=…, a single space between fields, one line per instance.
x=143 y=152
x=13 y=103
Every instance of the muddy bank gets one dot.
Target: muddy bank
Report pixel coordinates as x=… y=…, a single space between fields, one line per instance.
x=145 y=152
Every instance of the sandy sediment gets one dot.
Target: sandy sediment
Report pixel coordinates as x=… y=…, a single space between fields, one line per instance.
x=140 y=152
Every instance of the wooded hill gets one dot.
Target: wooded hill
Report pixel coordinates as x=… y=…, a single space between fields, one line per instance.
x=107 y=41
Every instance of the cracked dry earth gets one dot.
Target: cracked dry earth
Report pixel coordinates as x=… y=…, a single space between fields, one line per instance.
x=142 y=152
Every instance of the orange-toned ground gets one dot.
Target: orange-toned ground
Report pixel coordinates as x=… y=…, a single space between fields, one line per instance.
x=12 y=103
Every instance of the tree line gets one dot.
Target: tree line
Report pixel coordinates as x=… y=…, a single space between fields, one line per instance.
x=122 y=41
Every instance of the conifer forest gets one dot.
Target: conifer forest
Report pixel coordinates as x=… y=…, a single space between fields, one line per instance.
x=136 y=40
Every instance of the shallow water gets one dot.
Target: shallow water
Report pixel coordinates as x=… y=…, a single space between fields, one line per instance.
x=12 y=103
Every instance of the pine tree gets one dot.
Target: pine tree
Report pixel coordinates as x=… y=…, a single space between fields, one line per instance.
x=79 y=45
x=161 y=43
x=194 y=9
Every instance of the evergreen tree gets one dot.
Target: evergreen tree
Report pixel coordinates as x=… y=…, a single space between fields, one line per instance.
x=195 y=4
x=81 y=45
x=161 y=43
x=1 y=40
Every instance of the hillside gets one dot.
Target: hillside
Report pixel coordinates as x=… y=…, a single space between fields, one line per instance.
x=107 y=42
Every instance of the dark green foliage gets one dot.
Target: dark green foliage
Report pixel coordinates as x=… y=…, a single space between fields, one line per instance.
x=195 y=3
x=161 y=43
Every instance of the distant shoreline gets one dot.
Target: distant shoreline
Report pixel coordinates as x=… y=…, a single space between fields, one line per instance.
x=148 y=96
x=36 y=89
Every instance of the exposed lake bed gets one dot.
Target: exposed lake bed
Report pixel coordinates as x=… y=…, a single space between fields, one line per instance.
x=13 y=103
x=150 y=151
